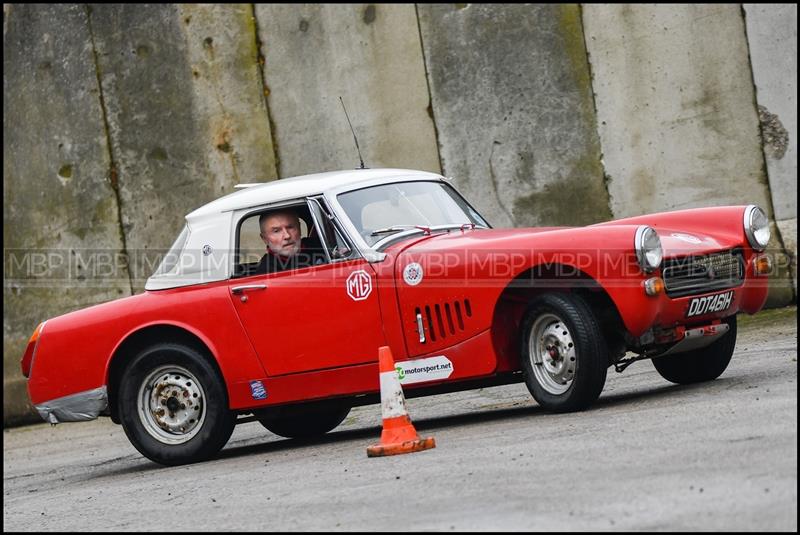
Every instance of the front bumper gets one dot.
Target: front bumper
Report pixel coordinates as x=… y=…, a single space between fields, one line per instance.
x=641 y=313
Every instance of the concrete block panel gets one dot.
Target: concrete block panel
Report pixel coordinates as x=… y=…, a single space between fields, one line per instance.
x=185 y=114
x=675 y=103
x=370 y=55
x=772 y=36
x=788 y=229
x=228 y=90
x=512 y=100
x=60 y=215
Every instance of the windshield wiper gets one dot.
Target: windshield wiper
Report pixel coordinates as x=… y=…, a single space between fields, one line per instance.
x=400 y=228
x=426 y=230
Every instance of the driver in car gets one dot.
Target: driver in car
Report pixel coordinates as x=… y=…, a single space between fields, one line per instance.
x=280 y=232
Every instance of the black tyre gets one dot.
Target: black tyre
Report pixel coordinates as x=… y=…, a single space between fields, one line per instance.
x=564 y=356
x=305 y=421
x=704 y=364
x=174 y=405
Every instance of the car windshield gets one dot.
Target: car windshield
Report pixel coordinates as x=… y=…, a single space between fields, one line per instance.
x=380 y=211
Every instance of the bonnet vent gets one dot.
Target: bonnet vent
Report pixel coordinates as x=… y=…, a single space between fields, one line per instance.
x=443 y=320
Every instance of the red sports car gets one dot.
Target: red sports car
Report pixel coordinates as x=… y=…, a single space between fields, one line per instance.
x=232 y=329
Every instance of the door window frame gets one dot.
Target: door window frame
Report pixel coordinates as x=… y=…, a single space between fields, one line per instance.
x=325 y=212
x=312 y=204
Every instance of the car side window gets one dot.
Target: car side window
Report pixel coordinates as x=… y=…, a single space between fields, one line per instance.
x=280 y=239
x=334 y=241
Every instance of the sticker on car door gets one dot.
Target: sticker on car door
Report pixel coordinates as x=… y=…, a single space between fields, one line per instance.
x=420 y=370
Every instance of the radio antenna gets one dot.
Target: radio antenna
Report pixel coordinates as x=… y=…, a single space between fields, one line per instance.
x=354 y=133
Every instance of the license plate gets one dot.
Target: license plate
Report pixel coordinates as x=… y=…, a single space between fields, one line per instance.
x=709 y=304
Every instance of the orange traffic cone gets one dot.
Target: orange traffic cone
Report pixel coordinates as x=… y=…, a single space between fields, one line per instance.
x=399 y=435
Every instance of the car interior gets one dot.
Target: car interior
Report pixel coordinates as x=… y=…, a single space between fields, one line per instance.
x=251 y=248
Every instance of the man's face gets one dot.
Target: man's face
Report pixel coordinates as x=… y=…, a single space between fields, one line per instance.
x=281 y=234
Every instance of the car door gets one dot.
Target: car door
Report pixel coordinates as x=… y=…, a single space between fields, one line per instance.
x=313 y=318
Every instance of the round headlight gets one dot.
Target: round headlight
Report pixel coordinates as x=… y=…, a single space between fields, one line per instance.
x=756 y=227
x=648 y=248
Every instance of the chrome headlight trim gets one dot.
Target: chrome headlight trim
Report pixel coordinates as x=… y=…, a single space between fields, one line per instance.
x=647 y=245
x=756 y=227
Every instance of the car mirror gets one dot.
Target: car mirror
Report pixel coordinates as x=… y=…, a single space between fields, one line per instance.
x=340 y=252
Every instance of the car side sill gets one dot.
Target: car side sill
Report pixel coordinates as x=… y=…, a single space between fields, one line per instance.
x=79 y=407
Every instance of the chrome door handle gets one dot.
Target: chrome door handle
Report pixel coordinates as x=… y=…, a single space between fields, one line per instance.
x=241 y=289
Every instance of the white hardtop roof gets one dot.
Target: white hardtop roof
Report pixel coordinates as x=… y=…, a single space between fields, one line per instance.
x=302 y=186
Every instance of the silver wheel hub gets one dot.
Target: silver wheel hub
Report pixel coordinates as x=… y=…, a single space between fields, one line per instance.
x=171 y=404
x=552 y=353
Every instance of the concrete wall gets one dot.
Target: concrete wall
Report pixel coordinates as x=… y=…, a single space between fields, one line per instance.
x=58 y=200
x=686 y=132
x=512 y=99
x=370 y=55
x=772 y=36
x=185 y=113
x=120 y=119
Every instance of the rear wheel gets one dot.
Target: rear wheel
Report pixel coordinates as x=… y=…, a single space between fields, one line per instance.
x=704 y=364
x=564 y=355
x=174 y=405
x=306 y=420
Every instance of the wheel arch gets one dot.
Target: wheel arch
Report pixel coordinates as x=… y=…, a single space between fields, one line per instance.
x=140 y=339
x=546 y=278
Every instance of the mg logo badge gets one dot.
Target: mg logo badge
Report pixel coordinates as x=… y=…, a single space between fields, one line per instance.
x=359 y=285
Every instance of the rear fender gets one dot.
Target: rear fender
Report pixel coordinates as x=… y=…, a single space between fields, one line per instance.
x=143 y=337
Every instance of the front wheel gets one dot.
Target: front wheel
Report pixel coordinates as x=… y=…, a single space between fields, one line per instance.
x=704 y=364
x=174 y=405
x=564 y=355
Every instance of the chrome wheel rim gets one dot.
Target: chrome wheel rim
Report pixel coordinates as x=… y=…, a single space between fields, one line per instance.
x=552 y=353
x=171 y=404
